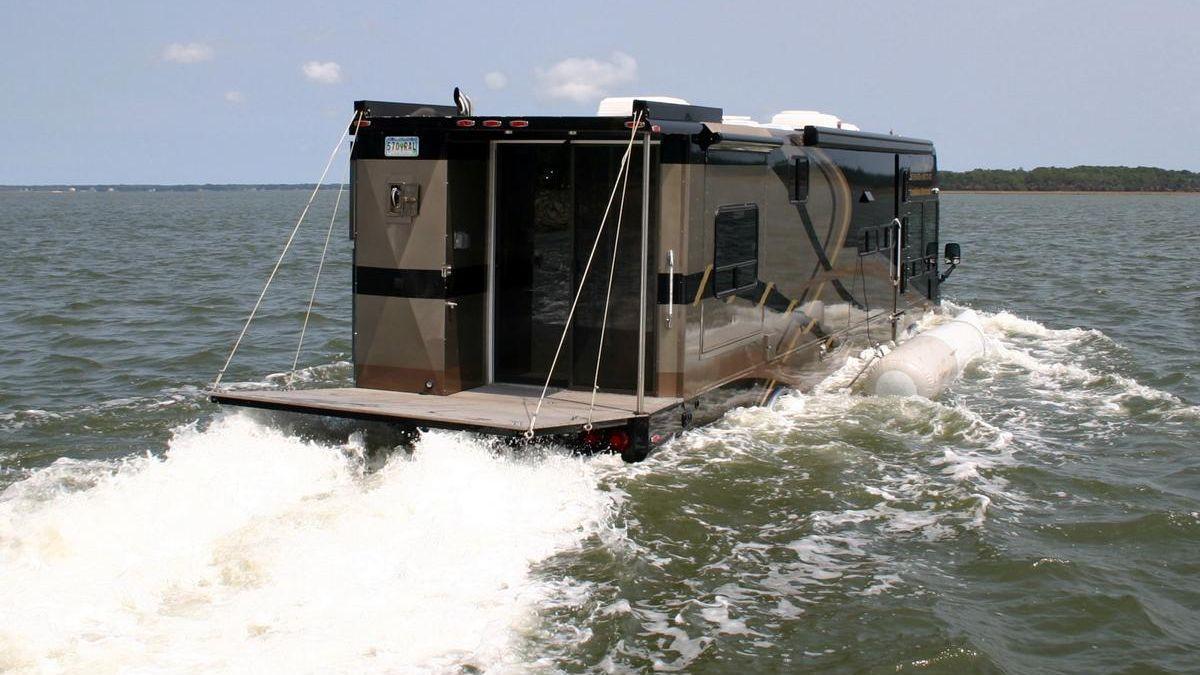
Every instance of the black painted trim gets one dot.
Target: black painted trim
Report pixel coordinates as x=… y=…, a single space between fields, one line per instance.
x=372 y=109
x=658 y=110
x=708 y=137
x=427 y=284
x=686 y=286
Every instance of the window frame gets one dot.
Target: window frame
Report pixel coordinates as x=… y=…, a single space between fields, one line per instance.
x=751 y=263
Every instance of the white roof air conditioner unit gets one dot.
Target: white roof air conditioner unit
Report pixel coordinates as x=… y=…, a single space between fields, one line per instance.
x=622 y=106
x=743 y=120
x=798 y=119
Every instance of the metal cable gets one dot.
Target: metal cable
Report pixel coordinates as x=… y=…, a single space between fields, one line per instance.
x=258 y=303
x=321 y=265
x=612 y=269
x=583 y=278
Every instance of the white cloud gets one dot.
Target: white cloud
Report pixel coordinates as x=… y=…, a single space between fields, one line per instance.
x=192 y=52
x=323 y=72
x=235 y=97
x=495 y=80
x=583 y=80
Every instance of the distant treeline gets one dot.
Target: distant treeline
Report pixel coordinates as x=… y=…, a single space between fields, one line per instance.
x=1045 y=178
x=1074 y=179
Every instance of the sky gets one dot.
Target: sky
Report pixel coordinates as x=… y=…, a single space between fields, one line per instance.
x=258 y=92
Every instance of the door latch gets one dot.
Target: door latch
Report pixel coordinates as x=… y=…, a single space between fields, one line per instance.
x=404 y=199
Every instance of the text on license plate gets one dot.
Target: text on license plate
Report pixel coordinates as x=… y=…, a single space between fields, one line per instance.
x=401 y=146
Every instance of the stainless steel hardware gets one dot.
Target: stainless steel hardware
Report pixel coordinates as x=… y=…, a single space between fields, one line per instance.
x=670 y=286
x=404 y=199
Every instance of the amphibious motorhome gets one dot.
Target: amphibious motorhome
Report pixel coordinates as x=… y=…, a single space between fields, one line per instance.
x=608 y=281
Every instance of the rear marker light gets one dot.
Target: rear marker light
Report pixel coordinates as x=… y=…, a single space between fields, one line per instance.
x=465 y=123
x=364 y=123
x=519 y=124
x=618 y=440
x=491 y=124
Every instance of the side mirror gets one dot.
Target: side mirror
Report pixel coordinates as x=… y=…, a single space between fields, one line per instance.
x=953 y=254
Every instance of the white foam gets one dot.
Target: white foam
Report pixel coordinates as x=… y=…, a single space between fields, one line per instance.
x=246 y=550
x=325 y=372
x=1052 y=364
x=718 y=613
x=674 y=639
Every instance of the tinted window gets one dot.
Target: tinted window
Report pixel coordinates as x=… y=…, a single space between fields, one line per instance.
x=800 y=186
x=737 y=157
x=735 y=264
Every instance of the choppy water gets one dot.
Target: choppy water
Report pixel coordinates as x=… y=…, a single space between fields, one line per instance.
x=1044 y=516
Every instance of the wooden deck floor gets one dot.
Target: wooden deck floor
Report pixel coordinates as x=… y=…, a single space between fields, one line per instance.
x=497 y=408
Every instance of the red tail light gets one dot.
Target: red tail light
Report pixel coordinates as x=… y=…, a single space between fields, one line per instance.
x=465 y=123
x=519 y=124
x=618 y=440
x=491 y=124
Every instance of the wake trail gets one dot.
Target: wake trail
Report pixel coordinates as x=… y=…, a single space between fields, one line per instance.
x=244 y=549
x=914 y=469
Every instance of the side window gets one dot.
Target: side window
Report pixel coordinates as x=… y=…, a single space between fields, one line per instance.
x=735 y=264
x=800 y=180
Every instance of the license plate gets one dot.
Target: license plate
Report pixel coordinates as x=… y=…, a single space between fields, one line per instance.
x=401 y=146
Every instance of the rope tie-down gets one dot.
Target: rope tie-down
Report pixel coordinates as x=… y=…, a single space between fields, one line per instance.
x=282 y=254
x=321 y=265
x=620 y=181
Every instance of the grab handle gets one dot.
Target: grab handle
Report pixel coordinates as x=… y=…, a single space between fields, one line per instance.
x=670 y=285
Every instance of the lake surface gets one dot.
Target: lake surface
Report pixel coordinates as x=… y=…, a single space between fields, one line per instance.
x=1043 y=516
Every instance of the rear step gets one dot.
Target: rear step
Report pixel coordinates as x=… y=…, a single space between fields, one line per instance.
x=499 y=409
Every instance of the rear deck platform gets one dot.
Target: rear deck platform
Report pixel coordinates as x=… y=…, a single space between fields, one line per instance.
x=497 y=408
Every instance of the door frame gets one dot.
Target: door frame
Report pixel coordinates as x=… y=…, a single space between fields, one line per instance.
x=493 y=154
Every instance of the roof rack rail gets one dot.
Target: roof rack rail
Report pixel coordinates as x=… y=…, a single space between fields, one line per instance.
x=845 y=139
